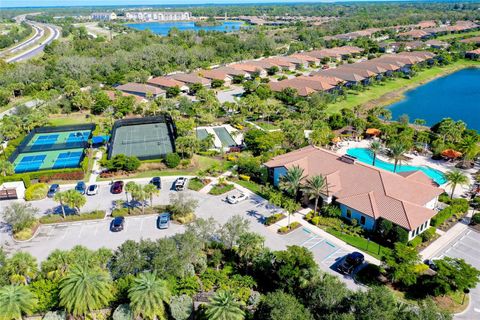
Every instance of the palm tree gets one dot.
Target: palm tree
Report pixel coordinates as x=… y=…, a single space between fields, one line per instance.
x=291 y=181
x=454 y=178
x=131 y=187
x=58 y=197
x=74 y=200
x=149 y=191
x=6 y=168
x=290 y=206
x=21 y=268
x=470 y=149
x=314 y=188
x=83 y=290
x=148 y=296
x=375 y=148
x=16 y=301
x=224 y=307
x=396 y=152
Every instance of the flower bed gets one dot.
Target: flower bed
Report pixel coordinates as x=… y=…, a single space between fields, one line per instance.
x=291 y=227
x=221 y=188
x=58 y=218
x=274 y=218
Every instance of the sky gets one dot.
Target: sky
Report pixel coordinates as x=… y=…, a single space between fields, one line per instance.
x=40 y=3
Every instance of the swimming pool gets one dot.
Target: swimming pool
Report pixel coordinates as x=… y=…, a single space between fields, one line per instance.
x=365 y=155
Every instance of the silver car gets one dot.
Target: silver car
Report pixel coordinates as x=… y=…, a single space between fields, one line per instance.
x=236 y=198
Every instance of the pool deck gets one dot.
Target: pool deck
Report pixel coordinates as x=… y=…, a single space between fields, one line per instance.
x=416 y=160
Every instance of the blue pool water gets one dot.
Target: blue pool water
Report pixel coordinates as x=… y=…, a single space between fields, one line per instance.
x=162 y=28
x=455 y=96
x=366 y=156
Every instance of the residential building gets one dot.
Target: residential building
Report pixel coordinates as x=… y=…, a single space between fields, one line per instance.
x=165 y=83
x=103 y=16
x=216 y=74
x=363 y=192
x=189 y=79
x=158 y=16
x=141 y=90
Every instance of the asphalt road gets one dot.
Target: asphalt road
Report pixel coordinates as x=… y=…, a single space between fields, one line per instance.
x=96 y=234
x=35 y=50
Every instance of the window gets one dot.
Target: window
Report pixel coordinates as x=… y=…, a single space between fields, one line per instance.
x=362 y=220
x=349 y=214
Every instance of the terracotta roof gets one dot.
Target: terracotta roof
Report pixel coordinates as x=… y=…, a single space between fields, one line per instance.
x=246 y=67
x=358 y=69
x=304 y=57
x=140 y=88
x=427 y=24
x=415 y=34
x=232 y=71
x=217 y=74
x=344 y=74
x=471 y=40
x=278 y=61
x=476 y=51
x=112 y=95
x=371 y=190
x=418 y=176
x=189 y=78
x=165 y=82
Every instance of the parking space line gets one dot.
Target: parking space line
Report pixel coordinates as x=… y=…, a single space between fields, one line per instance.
x=329 y=255
x=331 y=245
x=316 y=244
x=141 y=225
x=80 y=233
x=308 y=240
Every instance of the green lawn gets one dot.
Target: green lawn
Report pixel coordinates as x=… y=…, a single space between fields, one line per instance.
x=459 y=35
x=372 y=248
x=266 y=125
x=392 y=90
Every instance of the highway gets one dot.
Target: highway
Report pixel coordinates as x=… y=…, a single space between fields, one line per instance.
x=33 y=45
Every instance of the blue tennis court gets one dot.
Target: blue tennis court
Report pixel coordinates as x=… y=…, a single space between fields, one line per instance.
x=80 y=136
x=30 y=163
x=68 y=159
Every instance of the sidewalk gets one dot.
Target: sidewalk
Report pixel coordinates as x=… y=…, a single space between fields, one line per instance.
x=444 y=240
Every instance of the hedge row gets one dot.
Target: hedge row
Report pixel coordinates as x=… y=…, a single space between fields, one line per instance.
x=45 y=176
x=457 y=208
x=58 y=218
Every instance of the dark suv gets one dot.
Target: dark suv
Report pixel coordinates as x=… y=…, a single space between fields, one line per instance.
x=54 y=188
x=117 y=224
x=117 y=187
x=157 y=182
x=81 y=187
x=350 y=262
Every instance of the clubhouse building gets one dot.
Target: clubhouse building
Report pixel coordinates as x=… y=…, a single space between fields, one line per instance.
x=364 y=192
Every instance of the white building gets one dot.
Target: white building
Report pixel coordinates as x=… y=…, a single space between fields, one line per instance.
x=158 y=16
x=104 y=16
x=12 y=190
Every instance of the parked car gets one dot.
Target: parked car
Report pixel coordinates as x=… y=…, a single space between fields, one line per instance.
x=157 y=182
x=92 y=189
x=54 y=188
x=350 y=262
x=431 y=264
x=81 y=187
x=180 y=183
x=163 y=221
x=117 y=187
x=236 y=198
x=118 y=223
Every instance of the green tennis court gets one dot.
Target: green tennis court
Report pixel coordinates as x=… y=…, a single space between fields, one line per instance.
x=144 y=141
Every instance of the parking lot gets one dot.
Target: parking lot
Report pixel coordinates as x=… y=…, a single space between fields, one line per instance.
x=466 y=247
x=96 y=234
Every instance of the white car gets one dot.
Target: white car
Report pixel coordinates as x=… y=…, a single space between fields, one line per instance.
x=92 y=189
x=236 y=198
x=180 y=184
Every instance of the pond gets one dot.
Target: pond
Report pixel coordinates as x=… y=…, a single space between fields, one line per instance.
x=456 y=96
x=162 y=28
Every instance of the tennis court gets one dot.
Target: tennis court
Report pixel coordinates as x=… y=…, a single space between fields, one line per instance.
x=145 y=141
x=225 y=137
x=52 y=148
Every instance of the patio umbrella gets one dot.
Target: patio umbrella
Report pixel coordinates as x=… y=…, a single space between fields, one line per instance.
x=452 y=154
x=336 y=140
x=373 y=131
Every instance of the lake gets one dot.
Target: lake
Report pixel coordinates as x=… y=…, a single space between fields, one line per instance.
x=456 y=96
x=162 y=28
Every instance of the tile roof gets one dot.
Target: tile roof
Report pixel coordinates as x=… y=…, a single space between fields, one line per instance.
x=112 y=95
x=371 y=190
x=141 y=88
x=189 y=78
x=232 y=71
x=217 y=74
x=344 y=74
x=165 y=82
x=246 y=67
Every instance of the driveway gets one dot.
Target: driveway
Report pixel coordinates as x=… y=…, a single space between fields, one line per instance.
x=230 y=94
x=466 y=246
x=96 y=234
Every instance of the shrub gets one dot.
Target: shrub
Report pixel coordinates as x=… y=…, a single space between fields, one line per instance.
x=20 y=216
x=172 y=160
x=122 y=162
x=57 y=315
x=181 y=307
x=331 y=211
x=457 y=208
x=36 y=191
x=26 y=181
x=415 y=242
x=119 y=212
x=244 y=177
x=292 y=226
x=274 y=218
x=195 y=184
x=428 y=234
x=476 y=218
x=182 y=207
x=23 y=234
